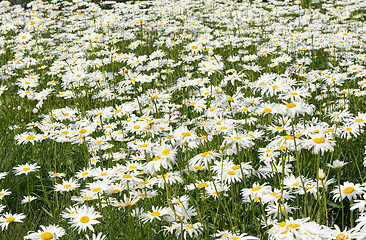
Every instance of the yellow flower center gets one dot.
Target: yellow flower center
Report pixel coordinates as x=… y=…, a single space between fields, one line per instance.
x=97 y=189
x=231 y=172
x=256 y=188
x=341 y=236
x=349 y=190
x=319 y=140
x=166 y=152
x=205 y=154
x=189 y=227
x=156 y=159
x=82 y=131
x=155 y=214
x=290 y=105
x=293 y=225
x=202 y=185
x=84 y=219
x=30 y=137
x=235 y=167
x=10 y=219
x=46 y=236
x=127 y=176
x=186 y=134
x=329 y=130
x=359 y=120
x=67 y=186
x=26 y=169
x=282 y=224
x=267 y=110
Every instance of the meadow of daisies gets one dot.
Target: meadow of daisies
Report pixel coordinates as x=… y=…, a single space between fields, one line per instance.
x=189 y=119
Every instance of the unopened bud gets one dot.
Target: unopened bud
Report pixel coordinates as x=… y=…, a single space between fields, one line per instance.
x=321 y=174
x=337 y=121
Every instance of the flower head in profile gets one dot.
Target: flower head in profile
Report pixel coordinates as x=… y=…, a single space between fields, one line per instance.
x=294 y=229
x=8 y=218
x=4 y=192
x=25 y=168
x=336 y=164
x=347 y=190
x=28 y=199
x=28 y=137
x=67 y=185
x=156 y=213
x=319 y=143
x=53 y=232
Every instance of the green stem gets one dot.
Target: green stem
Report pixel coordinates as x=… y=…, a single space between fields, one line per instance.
x=340 y=196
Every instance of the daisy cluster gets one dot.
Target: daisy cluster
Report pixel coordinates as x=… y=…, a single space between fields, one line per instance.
x=201 y=119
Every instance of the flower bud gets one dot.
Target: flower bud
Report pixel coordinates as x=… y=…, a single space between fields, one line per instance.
x=321 y=174
x=337 y=121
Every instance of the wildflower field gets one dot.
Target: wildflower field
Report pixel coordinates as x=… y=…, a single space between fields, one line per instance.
x=189 y=119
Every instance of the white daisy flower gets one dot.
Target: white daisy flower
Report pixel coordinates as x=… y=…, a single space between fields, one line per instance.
x=53 y=232
x=85 y=218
